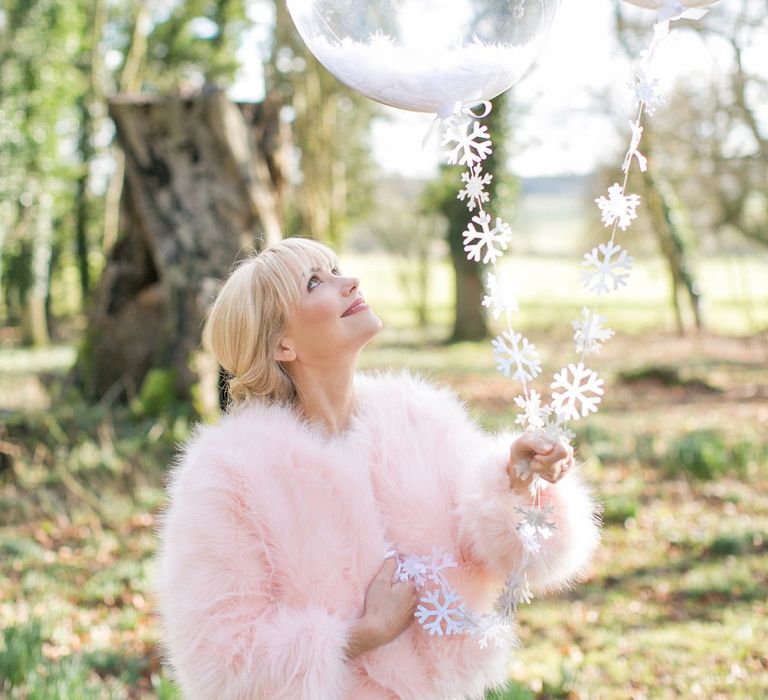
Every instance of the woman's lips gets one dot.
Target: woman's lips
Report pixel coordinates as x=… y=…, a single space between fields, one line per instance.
x=359 y=305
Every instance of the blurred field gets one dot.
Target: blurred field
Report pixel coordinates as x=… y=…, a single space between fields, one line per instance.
x=675 y=605
x=734 y=291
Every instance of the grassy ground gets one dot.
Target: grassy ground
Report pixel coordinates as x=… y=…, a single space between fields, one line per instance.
x=675 y=604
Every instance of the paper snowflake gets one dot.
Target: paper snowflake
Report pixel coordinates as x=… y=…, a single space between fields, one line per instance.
x=534 y=528
x=604 y=273
x=590 y=333
x=412 y=568
x=618 y=207
x=498 y=299
x=536 y=519
x=441 y=612
x=493 y=629
x=475 y=181
x=475 y=240
x=578 y=391
x=516 y=590
x=437 y=564
x=648 y=92
x=554 y=429
x=511 y=349
x=467 y=147
x=534 y=415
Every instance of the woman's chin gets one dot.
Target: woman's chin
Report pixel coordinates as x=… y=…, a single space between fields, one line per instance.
x=372 y=329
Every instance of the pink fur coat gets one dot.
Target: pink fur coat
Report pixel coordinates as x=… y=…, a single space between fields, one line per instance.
x=273 y=533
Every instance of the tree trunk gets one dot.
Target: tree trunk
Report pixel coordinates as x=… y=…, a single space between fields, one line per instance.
x=198 y=190
x=35 y=320
x=469 y=321
x=82 y=204
x=672 y=244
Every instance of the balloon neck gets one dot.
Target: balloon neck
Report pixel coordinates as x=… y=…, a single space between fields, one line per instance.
x=448 y=109
x=466 y=109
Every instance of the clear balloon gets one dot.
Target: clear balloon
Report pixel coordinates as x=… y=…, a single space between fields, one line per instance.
x=425 y=55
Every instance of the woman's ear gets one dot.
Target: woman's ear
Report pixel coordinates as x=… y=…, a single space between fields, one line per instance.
x=285 y=351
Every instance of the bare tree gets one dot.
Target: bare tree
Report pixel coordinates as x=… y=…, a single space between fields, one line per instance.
x=198 y=189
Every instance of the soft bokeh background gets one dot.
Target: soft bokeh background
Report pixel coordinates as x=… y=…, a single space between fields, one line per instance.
x=675 y=605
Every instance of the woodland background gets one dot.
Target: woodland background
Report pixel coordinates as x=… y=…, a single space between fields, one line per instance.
x=130 y=182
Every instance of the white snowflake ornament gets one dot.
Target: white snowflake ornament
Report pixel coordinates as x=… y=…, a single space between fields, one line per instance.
x=618 y=207
x=441 y=612
x=439 y=562
x=498 y=299
x=512 y=350
x=516 y=590
x=534 y=414
x=475 y=182
x=577 y=392
x=466 y=147
x=648 y=92
x=606 y=273
x=493 y=629
x=490 y=243
x=555 y=429
x=412 y=568
x=589 y=332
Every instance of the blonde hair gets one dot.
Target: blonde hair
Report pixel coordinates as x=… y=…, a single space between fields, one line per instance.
x=246 y=322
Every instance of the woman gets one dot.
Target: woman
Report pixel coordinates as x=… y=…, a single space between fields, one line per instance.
x=274 y=581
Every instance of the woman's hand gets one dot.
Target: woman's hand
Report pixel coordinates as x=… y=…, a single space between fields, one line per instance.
x=550 y=459
x=389 y=609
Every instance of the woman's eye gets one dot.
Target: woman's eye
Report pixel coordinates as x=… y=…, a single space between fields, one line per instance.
x=335 y=271
x=313 y=282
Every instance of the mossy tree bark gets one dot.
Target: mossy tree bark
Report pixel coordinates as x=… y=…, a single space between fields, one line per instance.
x=202 y=185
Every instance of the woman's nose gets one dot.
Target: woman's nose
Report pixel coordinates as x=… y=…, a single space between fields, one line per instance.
x=350 y=285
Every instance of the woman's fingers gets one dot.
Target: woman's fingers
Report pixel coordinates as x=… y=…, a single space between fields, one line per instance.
x=547 y=458
x=528 y=445
x=553 y=466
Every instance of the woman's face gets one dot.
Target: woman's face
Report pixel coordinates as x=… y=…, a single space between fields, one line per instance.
x=331 y=320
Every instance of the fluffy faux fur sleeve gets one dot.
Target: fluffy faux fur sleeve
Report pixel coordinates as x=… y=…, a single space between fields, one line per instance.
x=485 y=503
x=228 y=633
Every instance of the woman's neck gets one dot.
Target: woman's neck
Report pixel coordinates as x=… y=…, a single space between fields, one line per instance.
x=326 y=396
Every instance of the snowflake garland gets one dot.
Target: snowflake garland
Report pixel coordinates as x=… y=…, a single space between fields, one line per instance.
x=475 y=182
x=647 y=92
x=534 y=528
x=442 y=612
x=484 y=241
x=576 y=390
x=469 y=147
x=498 y=299
x=618 y=207
x=589 y=332
x=632 y=152
x=604 y=273
x=534 y=415
x=511 y=349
